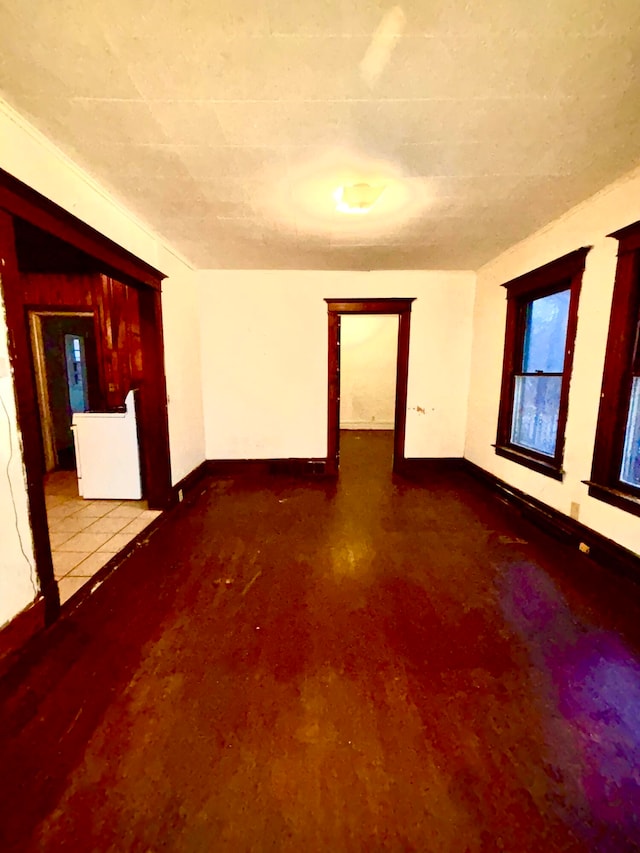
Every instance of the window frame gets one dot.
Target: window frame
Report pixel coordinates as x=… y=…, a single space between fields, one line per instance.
x=605 y=483
x=565 y=273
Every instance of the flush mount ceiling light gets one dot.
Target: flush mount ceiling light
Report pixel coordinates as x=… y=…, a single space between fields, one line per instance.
x=323 y=196
x=357 y=198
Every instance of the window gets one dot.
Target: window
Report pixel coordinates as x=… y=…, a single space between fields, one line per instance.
x=542 y=309
x=615 y=475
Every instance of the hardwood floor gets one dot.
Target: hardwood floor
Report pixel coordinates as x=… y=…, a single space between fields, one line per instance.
x=381 y=664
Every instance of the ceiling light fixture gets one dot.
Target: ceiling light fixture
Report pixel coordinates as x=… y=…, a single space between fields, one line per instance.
x=357 y=198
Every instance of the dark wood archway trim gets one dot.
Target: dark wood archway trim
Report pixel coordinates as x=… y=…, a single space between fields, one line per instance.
x=27 y=412
x=335 y=308
x=153 y=417
x=20 y=200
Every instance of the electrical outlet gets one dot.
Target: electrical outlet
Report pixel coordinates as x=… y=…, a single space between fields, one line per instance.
x=180 y=495
x=575 y=510
x=584 y=547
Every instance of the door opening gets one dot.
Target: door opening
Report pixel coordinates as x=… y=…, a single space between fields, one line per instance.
x=65 y=362
x=368 y=356
x=38 y=238
x=337 y=308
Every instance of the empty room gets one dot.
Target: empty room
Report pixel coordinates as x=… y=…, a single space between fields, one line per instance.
x=320 y=425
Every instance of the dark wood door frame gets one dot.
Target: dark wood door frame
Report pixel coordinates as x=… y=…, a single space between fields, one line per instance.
x=335 y=308
x=16 y=199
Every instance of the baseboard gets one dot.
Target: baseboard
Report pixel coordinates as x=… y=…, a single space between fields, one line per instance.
x=604 y=551
x=263 y=467
x=367 y=425
x=20 y=629
x=419 y=466
x=185 y=487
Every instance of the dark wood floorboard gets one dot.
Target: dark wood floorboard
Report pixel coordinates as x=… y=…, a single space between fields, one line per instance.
x=378 y=665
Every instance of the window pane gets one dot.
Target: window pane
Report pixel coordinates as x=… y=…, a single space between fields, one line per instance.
x=535 y=412
x=546 y=333
x=630 y=470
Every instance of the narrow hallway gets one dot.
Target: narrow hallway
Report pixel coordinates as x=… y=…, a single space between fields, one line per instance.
x=377 y=664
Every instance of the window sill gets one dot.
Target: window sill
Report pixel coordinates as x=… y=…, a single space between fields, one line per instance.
x=549 y=469
x=622 y=500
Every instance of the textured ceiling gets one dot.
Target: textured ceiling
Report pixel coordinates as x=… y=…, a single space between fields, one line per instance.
x=227 y=125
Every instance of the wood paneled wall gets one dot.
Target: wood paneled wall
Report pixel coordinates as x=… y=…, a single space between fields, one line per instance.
x=116 y=310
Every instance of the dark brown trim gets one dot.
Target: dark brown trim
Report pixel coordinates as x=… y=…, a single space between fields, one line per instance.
x=333 y=396
x=311 y=468
x=18 y=199
x=388 y=305
x=560 y=269
x=629 y=237
x=605 y=483
x=153 y=425
x=542 y=467
x=188 y=485
x=614 y=497
x=27 y=413
x=20 y=630
x=336 y=307
x=604 y=551
x=402 y=379
x=564 y=273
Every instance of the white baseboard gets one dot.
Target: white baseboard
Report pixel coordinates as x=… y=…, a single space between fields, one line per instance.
x=366 y=425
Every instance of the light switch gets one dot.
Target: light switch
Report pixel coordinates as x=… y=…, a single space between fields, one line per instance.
x=4 y=367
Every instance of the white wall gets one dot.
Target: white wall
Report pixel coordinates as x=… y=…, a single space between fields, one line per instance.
x=18 y=583
x=29 y=156
x=182 y=365
x=264 y=358
x=586 y=225
x=368 y=360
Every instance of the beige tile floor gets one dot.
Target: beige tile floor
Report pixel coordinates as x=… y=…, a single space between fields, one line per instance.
x=86 y=534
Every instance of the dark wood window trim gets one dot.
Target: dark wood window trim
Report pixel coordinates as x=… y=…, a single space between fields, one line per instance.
x=536 y=464
x=561 y=274
x=605 y=483
x=616 y=498
x=335 y=308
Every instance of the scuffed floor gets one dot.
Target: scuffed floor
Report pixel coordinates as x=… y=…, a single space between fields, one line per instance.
x=381 y=665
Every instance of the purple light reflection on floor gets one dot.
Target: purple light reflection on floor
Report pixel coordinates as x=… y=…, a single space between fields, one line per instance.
x=588 y=685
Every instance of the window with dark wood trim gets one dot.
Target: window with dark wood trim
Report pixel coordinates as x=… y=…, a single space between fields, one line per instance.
x=542 y=312
x=615 y=474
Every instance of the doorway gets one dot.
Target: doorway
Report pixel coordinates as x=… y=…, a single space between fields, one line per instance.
x=337 y=308
x=84 y=534
x=65 y=362
x=368 y=353
x=38 y=240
